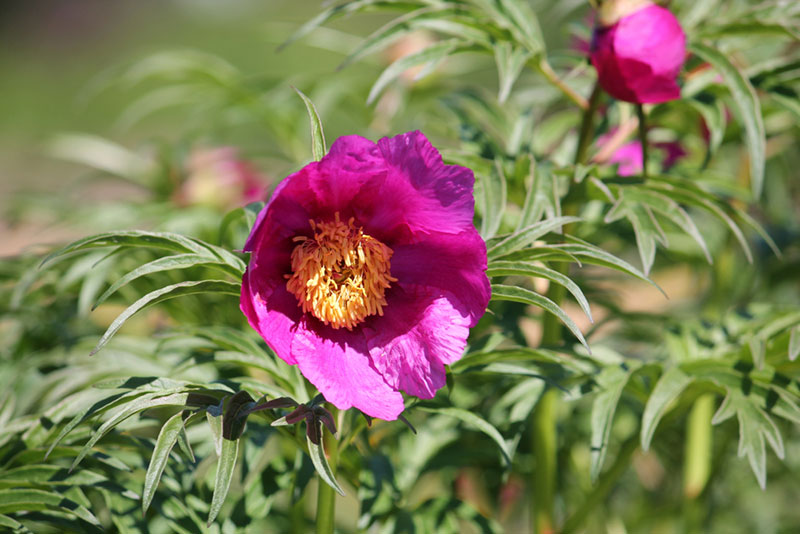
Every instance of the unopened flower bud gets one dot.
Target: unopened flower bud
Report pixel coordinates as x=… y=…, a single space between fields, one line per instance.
x=638 y=50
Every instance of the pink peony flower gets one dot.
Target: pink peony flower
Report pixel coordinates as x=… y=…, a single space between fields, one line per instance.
x=639 y=56
x=367 y=273
x=219 y=178
x=630 y=159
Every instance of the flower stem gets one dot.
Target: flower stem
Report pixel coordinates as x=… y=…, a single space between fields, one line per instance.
x=326 y=496
x=643 y=137
x=604 y=485
x=297 y=512
x=551 y=76
x=587 y=125
x=544 y=449
x=544 y=418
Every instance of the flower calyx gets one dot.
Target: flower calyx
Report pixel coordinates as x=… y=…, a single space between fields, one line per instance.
x=313 y=413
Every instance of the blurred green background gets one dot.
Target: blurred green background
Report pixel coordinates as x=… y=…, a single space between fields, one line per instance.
x=61 y=65
x=119 y=80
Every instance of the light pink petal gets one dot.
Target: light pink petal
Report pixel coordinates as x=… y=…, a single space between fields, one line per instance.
x=412 y=342
x=630 y=159
x=338 y=364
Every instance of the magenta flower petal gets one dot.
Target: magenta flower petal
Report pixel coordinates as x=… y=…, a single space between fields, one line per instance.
x=272 y=310
x=366 y=271
x=459 y=269
x=417 y=194
x=412 y=359
x=337 y=362
x=639 y=57
x=629 y=158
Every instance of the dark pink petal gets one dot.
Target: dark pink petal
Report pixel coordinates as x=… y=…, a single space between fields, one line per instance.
x=402 y=194
x=673 y=152
x=418 y=194
x=453 y=264
x=639 y=58
x=338 y=364
x=286 y=212
x=411 y=345
x=271 y=310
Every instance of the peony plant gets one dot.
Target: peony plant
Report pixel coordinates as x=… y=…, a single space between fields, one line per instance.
x=367 y=273
x=405 y=338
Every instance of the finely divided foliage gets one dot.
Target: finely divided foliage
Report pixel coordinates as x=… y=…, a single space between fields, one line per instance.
x=176 y=416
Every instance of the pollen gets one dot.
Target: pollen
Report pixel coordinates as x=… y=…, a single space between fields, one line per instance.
x=340 y=275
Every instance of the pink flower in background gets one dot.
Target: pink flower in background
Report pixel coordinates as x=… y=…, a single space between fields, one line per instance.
x=673 y=152
x=367 y=272
x=629 y=157
x=219 y=178
x=638 y=52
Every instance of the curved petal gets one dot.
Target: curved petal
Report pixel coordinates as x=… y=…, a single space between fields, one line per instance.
x=319 y=190
x=454 y=264
x=273 y=313
x=418 y=193
x=639 y=58
x=421 y=332
x=338 y=364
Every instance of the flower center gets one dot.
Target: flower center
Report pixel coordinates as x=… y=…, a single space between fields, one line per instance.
x=341 y=274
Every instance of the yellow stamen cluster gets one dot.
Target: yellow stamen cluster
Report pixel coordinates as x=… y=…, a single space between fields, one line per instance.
x=341 y=274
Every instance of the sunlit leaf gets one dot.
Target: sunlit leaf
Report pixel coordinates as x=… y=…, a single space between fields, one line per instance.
x=432 y=54
x=668 y=388
x=748 y=106
x=130 y=238
x=518 y=268
x=526 y=296
x=166 y=440
x=612 y=380
x=476 y=422
x=128 y=410
x=755 y=427
x=318 y=148
x=492 y=200
x=167 y=263
x=321 y=465
x=525 y=236
x=510 y=61
x=172 y=291
x=222 y=481
x=794 y=343
x=345 y=9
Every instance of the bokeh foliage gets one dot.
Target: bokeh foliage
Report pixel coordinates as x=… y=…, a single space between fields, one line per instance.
x=655 y=401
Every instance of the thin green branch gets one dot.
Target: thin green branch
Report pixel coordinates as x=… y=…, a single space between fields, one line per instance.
x=547 y=71
x=604 y=485
x=544 y=417
x=643 y=137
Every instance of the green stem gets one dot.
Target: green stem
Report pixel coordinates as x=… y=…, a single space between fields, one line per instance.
x=297 y=511
x=643 y=138
x=326 y=496
x=604 y=485
x=544 y=449
x=544 y=417
x=587 y=125
x=551 y=76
